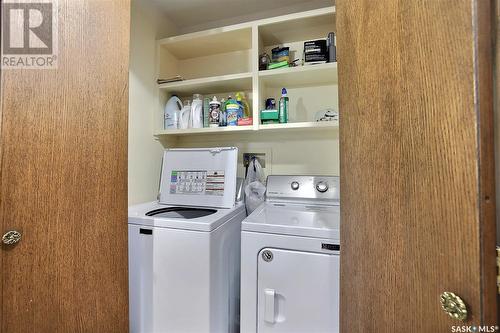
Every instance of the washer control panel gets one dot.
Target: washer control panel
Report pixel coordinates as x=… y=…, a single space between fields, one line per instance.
x=323 y=188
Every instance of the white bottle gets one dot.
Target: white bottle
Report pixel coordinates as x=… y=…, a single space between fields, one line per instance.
x=172 y=110
x=214 y=115
x=197 y=111
x=185 y=115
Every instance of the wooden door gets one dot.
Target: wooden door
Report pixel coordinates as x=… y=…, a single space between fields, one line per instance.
x=63 y=179
x=417 y=183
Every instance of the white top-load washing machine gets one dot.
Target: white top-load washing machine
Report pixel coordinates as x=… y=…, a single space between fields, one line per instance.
x=290 y=258
x=184 y=249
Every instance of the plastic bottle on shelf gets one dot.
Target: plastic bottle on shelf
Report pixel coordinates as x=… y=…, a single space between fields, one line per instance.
x=206 y=112
x=332 y=49
x=232 y=111
x=214 y=112
x=172 y=110
x=197 y=111
x=223 y=114
x=240 y=98
x=283 y=107
x=185 y=115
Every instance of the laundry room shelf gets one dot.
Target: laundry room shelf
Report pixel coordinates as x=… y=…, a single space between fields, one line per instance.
x=222 y=61
x=209 y=42
x=312 y=125
x=309 y=25
x=213 y=84
x=302 y=76
x=207 y=130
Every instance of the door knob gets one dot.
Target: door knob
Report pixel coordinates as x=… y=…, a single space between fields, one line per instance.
x=11 y=237
x=453 y=305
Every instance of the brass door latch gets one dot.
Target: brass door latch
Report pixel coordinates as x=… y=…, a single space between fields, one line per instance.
x=453 y=305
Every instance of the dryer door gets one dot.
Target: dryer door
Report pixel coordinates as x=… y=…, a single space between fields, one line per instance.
x=297 y=292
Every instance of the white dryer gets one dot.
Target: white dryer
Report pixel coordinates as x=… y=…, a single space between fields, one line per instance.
x=184 y=250
x=290 y=260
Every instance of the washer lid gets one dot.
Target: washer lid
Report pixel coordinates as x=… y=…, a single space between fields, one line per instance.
x=305 y=220
x=154 y=214
x=204 y=177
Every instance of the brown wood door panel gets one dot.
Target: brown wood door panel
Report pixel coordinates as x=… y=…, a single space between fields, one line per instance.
x=64 y=179
x=496 y=94
x=417 y=215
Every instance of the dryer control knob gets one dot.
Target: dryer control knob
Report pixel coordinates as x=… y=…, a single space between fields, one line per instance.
x=295 y=186
x=322 y=187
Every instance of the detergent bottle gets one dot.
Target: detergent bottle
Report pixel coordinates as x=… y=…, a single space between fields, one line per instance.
x=197 y=111
x=240 y=98
x=172 y=110
x=232 y=111
x=185 y=115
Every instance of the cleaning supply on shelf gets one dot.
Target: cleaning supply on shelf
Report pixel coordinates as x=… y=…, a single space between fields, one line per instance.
x=283 y=107
x=245 y=121
x=270 y=104
x=223 y=114
x=240 y=98
x=278 y=65
x=315 y=52
x=172 y=110
x=197 y=111
x=269 y=116
x=332 y=49
x=280 y=57
x=279 y=54
x=214 y=112
x=206 y=112
x=232 y=111
x=240 y=111
x=185 y=115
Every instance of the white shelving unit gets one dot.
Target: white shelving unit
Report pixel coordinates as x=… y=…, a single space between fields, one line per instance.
x=209 y=42
x=205 y=130
x=300 y=126
x=309 y=75
x=223 y=61
x=263 y=129
x=222 y=83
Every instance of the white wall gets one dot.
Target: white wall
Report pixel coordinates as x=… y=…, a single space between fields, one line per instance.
x=144 y=151
x=291 y=153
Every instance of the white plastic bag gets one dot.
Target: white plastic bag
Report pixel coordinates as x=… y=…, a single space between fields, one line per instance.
x=254 y=195
x=255 y=190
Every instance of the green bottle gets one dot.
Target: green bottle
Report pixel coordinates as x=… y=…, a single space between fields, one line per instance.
x=283 y=107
